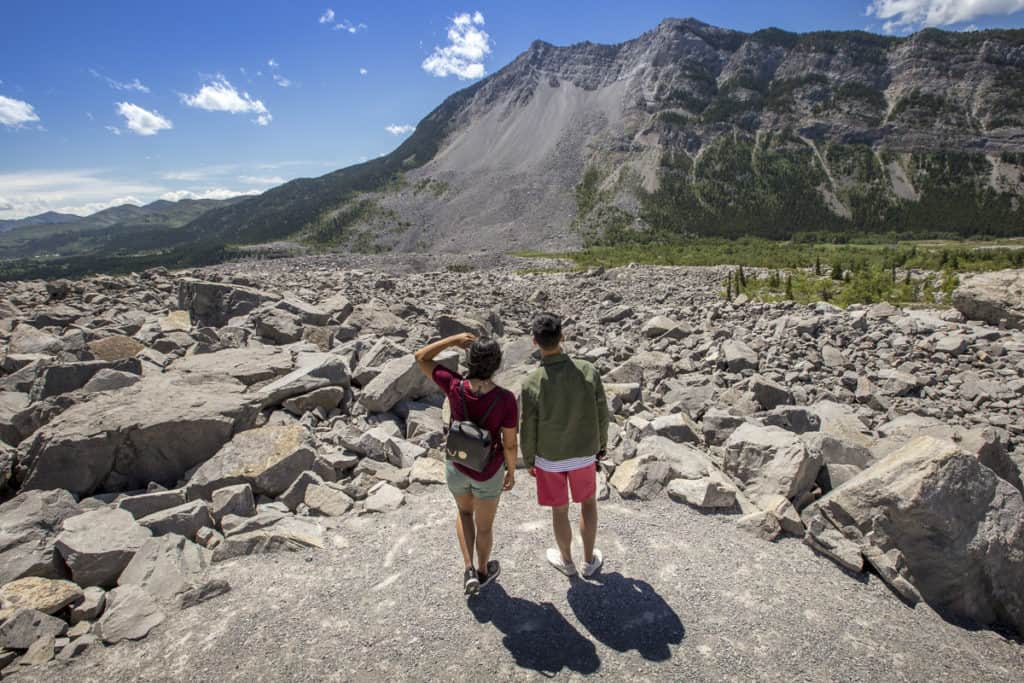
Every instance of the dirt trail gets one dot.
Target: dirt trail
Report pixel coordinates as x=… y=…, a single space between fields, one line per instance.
x=683 y=596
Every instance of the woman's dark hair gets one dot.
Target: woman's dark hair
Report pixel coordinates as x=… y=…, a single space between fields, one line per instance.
x=547 y=330
x=484 y=358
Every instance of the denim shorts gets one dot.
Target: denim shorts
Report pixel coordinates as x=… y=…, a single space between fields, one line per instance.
x=459 y=484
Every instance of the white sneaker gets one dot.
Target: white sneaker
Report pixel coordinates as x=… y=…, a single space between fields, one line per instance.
x=556 y=561
x=591 y=568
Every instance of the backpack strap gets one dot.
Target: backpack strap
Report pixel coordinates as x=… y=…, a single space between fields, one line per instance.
x=493 y=404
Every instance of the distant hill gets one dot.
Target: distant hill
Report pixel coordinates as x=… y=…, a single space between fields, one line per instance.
x=48 y=218
x=125 y=229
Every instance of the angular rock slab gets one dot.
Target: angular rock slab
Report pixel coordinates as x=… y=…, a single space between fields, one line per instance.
x=268 y=459
x=26 y=626
x=29 y=524
x=130 y=615
x=248 y=365
x=213 y=304
x=166 y=567
x=769 y=460
x=184 y=520
x=99 y=544
x=991 y=297
x=401 y=379
x=48 y=596
x=936 y=518
x=287 y=534
x=125 y=439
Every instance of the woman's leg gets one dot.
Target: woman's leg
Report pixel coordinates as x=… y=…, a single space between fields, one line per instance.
x=483 y=514
x=465 y=527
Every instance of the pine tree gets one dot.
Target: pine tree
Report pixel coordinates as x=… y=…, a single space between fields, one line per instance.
x=789 y=287
x=907 y=279
x=837 y=272
x=742 y=279
x=894 y=274
x=728 y=288
x=817 y=265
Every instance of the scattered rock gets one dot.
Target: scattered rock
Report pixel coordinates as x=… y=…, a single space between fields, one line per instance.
x=48 y=596
x=130 y=615
x=26 y=626
x=98 y=545
x=29 y=524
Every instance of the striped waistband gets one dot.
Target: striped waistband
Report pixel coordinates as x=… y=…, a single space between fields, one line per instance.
x=567 y=465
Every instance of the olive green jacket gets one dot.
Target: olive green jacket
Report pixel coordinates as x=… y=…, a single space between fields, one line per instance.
x=565 y=412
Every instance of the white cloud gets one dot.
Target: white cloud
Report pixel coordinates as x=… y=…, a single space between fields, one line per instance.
x=15 y=113
x=904 y=15
x=404 y=129
x=134 y=84
x=142 y=121
x=211 y=193
x=79 y=192
x=220 y=95
x=363 y=72
x=272 y=63
x=114 y=129
x=327 y=17
x=281 y=81
x=261 y=180
x=464 y=56
x=5 y=205
x=346 y=25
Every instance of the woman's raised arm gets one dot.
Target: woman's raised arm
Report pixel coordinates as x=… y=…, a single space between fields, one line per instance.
x=425 y=356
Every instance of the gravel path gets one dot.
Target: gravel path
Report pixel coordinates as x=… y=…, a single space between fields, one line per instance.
x=683 y=596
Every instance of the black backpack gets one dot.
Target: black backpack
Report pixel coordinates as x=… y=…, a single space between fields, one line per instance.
x=467 y=443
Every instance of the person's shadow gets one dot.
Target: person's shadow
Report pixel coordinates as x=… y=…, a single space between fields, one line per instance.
x=537 y=635
x=626 y=614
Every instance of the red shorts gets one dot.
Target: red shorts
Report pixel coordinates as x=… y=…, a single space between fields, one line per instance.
x=553 y=487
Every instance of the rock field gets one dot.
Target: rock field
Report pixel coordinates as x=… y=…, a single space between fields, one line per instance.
x=165 y=437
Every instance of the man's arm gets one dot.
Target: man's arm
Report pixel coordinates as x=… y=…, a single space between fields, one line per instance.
x=602 y=410
x=528 y=427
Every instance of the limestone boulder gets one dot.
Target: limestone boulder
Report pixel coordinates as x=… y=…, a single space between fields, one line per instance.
x=125 y=439
x=737 y=356
x=232 y=500
x=131 y=614
x=182 y=520
x=992 y=297
x=769 y=460
x=286 y=534
x=25 y=626
x=29 y=525
x=327 y=499
x=267 y=458
x=248 y=365
x=98 y=545
x=48 y=596
x=323 y=370
x=213 y=304
x=166 y=567
x=401 y=379
x=937 y=523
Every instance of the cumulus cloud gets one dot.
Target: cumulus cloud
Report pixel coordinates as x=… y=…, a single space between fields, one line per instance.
x=220 y=95
x=327 y=17
x=468 y=45
x=142 y=121
x=113 y=129
x=5 y=205
x=346 y=25
x=261 y=179
x=80 y=192
x=404 y=129
x=363 y=72
x=16 y=113
x=211 y=193
x=134 y=84
x=906 y=15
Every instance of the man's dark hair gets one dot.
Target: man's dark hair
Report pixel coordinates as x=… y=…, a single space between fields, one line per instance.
x=484 y=358
x=547 y=330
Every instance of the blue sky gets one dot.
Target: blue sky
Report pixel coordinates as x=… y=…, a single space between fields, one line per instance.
x=108 y=102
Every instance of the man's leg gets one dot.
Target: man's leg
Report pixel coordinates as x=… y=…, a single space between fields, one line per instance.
x=588 y=527
x=465 y=528
x=563 y=531
x=483 y=515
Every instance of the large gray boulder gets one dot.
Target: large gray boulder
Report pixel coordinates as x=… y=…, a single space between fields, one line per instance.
x=183 y=520
x=287 y=534
x=769 y=460
x=11 y=403
x=26 y=626
x=166 y=567
x=53 y=379
x=936 y=522
x=146 y=504
x=325 y=370
x=213 y=304
x=155 y=430
x=29 y=524
x=98 y=545
x=268 y=459
x=46 y=595
x=737 y=356
x=131 y=614
x=658 y=461
x=992 y=297
x=248 y=365
x=401 y=379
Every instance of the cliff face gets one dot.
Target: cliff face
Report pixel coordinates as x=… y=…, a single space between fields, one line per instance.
x=693 y=129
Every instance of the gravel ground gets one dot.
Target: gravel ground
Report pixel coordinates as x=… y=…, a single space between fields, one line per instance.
x=683 y=596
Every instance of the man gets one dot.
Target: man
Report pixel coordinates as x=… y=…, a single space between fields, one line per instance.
x=564 y=432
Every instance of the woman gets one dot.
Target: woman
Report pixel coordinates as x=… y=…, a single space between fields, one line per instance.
x=477 y=493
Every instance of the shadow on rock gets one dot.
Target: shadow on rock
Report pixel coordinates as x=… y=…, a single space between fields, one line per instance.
x=537 y=635
x=626 y=614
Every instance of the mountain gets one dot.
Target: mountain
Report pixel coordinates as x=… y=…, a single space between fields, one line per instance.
x=119 y=229
x=48 y=218
x=687 y=129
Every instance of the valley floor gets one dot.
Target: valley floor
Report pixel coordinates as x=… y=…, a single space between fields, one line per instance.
x=683 y=597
